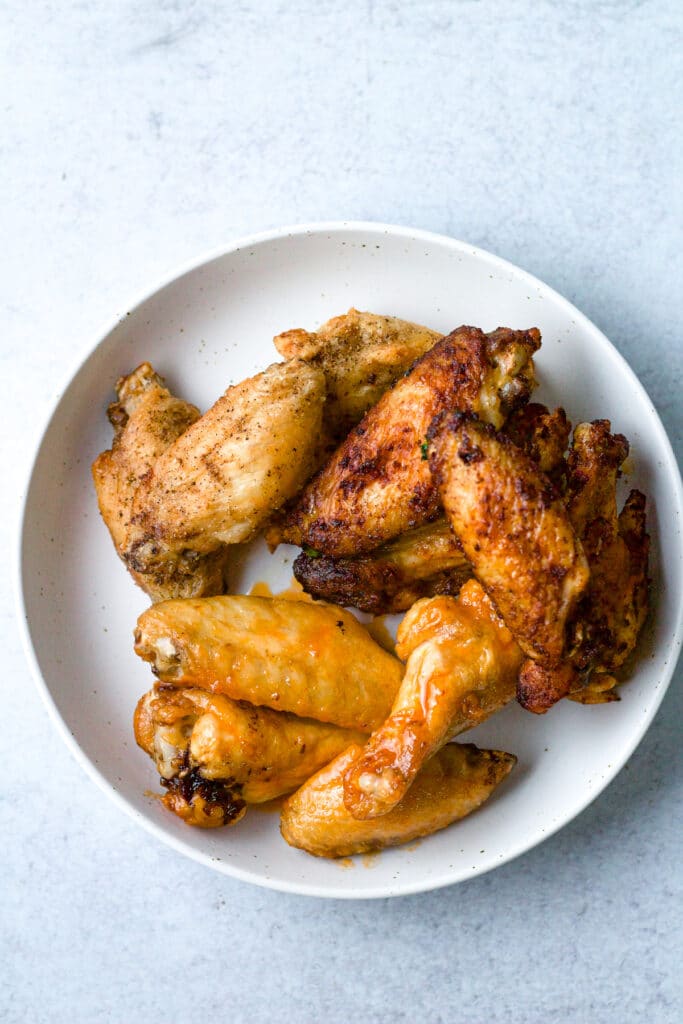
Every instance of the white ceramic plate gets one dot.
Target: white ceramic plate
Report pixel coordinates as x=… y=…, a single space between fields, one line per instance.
x=211 y=326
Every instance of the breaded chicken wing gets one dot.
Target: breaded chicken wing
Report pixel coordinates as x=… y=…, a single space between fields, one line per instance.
x=147 y=419
x=362 y=355
x=420 y=563
x=314 y=660
x=455 y=782
x=514 y=529
x=462 y=665
x=378 y=485
x=205 y=745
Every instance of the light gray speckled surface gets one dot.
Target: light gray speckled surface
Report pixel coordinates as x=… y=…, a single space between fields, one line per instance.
x=136 y=135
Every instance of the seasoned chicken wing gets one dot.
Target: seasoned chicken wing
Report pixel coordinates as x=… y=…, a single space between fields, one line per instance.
x=225 y=475
x=378 y=485
x=462 y=665
x=455 y=782
x=514 y=530
x=421 y=563
x=314 y=660
x=429 y=560
x=147 y=419
x=605 y=628
x=362 y=355
x=214 y=754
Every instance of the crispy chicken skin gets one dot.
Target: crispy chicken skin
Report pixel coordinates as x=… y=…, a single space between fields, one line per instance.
x=378 y=485
x=451 y=785
x=314 y=660
x=514 y=530
x=362 y=355
x=225 y=475
x=462 y=665
x=611 y=613
x=147 y=420
x=254 y=754
x=420 y=563
x=429 y=560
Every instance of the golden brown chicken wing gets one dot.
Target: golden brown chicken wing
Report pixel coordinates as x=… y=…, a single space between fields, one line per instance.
x=147 y=419
x=514 y=530
x=314 y=660
x=378 y=485
x=462 y=665
x=362 y=355
x=225 y=475
x=420 y=563
x=206 y=745
x=455 y=782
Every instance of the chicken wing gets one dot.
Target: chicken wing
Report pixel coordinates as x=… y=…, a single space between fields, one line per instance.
x=219 y=482
x=612 y=611
x=429 y=560
x=455 y=782
x=314 y=660
x=362 y=355
x=421 y=563
x=514 y=530
x=462 y=665
x=253 y=754
x=147 y=419
x=378 y=485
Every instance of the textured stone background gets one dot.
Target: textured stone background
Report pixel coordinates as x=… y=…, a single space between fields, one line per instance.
x=136 y=135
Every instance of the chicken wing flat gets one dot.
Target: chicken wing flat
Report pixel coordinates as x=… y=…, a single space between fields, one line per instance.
x=462 y=665
x=611 y=613
x=378 y=485
x=362 y=355
x=455 y=782
x=147 y=420
x=223 y=477
x=421 y=563
x=314 y=660
x=514 y=530
x=215 y=755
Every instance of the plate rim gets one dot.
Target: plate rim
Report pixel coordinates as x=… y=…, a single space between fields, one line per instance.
x=87 y=350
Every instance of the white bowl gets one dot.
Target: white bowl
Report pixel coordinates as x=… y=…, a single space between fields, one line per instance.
x=212 y=325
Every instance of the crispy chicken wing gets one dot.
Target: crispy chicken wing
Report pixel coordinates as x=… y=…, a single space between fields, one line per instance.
x=147 y=419
x=455 y=782
x=214 y=754
x=611 y=613
x=314 y=660
x=361 y=355
x=514 y=530
x=462 y=665
x=429 y=560
x=378 y=485
x=219 y=482
x=421 y=563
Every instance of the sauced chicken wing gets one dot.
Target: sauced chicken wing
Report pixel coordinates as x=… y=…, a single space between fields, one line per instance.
x=421 y=563
x=147 y=419
x=462 y=665
x=611 y=613
x=223 y=477
x=514 y=530
x=455 y=782
x=362 y=355
x=205 y=745
x=378 y=485
x=314 y=660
